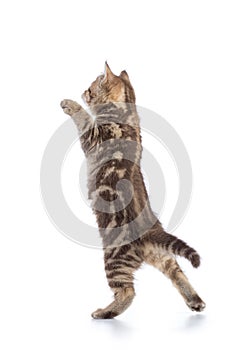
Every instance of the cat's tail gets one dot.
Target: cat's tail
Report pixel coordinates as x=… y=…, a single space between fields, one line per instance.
x=176 y=246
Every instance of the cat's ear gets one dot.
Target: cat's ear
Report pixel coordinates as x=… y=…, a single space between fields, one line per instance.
x=108 y=74
x=124 y=75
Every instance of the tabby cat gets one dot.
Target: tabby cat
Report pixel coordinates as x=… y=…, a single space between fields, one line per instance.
x=130 y=231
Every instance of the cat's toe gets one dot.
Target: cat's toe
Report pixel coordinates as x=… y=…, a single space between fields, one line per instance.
x=196 y=305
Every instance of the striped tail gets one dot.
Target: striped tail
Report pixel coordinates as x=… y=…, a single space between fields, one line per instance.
x=176 y=246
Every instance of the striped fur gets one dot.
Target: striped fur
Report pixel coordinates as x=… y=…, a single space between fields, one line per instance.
x=130 y=231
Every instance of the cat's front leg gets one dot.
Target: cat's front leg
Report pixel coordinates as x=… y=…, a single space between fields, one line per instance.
x=70 y=107
x=87 y=130
x=81 y=118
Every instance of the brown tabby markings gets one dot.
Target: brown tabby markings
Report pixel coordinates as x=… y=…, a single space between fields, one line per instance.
x=130 y=231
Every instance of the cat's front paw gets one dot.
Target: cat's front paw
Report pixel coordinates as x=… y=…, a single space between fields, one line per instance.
x=70 y=107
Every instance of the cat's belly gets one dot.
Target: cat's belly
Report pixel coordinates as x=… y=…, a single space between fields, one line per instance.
x=121 y=205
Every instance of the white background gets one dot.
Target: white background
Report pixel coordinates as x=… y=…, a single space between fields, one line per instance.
x=179 y=56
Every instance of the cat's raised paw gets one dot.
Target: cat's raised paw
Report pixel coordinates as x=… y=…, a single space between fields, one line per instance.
x=103 y=314
x=70 y=107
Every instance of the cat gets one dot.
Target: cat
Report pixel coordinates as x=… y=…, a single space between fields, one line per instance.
x=130 y=231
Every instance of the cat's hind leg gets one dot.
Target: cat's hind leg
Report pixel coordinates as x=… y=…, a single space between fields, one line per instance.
x=119 y=267
x=167 y=264
x=123 y=298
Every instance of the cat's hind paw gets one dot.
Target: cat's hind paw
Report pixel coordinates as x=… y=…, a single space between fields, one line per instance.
x=70 y=107
x=103 y=314
x=196 y=304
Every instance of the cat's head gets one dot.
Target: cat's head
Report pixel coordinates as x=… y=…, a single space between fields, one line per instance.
x=109 y=87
